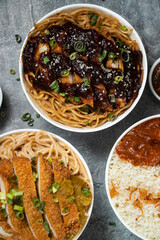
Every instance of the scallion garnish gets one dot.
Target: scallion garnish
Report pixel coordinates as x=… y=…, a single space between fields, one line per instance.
x=102 y=57
x=54 y=84
x=65 y=73
x=36 y=202
x=94 y=20
x=86 y=83
x=112 y=117
x=18 y=208
x=46 y=60
x=18 y=38
x=56 y=200
x=67 y=45
x=105 y=69
x=37 y=115
x=3 y=201
x=42 y=205
x=46 y=226
x=119 y=78
x=13 y=178
x=65 y=211
x=73 y=56
x=55 y=187
x=85 y=109
x=100 y=27
x=112 y=98
x=80 y=46
x=16 y=192
x=42 y=211
x=90 y=14
x=86 y=191
x=62 y=94
x=35 y=176
x=33 y=158
x=125 y=55
x=2 y=195
x=119 y=43
x=3 y=114
x=52 y=43
x=76 y=99
x=50 y=160
x=10 y=202
x=31 y=121
x=111 y=55
x=70 y=199
x=26 y=117
x=5 y=214
x=47 y=32
x=12 y=72
x=20 y=215
x=10 y=196
x=39 y=221
x=124 y=28
x=50 y=190
x=112 y=224
x=17 y=79
x=61 y=162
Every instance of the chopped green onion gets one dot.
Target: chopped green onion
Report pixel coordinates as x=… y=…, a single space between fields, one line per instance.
x=85 y=109
x=86 y=83
x=30 y=123
x=39 y=221
x=112 y=117
x=13 y=178
x=80 y=46
x=5 y=214
x=88 y=124
x=73 y=56
x=12 y=72
x=42 y=211
x=100 y=27
x=36 y=202
x=50 y=160
x=20 y=215
x=67 y=45
x=55 y=187
x=52 y=43
x=105 y=69
x=10 y=202
x=35 y=176
x=2 y=195
x=102 y=57
x=42 y=205
x=54 y=85
x=56 y=200
x=94 y=20
x=18 y=208
x=18 y=79
x=50 y=190
x=111 y=55
x=47 y=32
x=112 y=97
x=124 y=28
x=117 y=79
x=65 y=211
x=61 y=162
x=37 y=115
x=56 y=90
x=10 y=196
x=33 y=158
x=125 y=55
x=46 y=226
x=16 y=192
x=62 y=94
x=90 y=14
x=26 y=117
x=86 y=192
x=18 y=38
x=3 y=201
x=112 y=224
x=3 y=114
x=70 y=199
x=76 y=99
x=67 y=100
x=65 y=73
x=46 y=60
x=119 y=42
x=18 y=200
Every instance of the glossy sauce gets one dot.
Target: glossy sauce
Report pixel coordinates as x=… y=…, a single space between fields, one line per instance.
x=85 y=65
x=156 y=79
x=141 y=145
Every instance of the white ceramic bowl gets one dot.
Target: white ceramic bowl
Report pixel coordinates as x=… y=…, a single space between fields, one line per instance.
x=80 y=157
x=134 y=36
x=107 y=170
x=1 y=97
x=150 y=78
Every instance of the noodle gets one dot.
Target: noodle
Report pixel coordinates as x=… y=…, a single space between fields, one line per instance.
x=68 y=113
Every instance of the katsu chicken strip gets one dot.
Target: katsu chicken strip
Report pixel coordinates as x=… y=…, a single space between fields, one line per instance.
x=6 y=171
x=71 y=219
x=52 y=210
x=26 y=183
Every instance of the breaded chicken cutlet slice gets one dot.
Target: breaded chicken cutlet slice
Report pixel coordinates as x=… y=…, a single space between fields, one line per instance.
x=52 y=211
x=26 y=183
x=71 y=214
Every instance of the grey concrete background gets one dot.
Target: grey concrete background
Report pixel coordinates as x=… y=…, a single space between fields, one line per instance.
x=17 y=17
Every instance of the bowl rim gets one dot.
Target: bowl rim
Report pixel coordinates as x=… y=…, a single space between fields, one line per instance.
x=77 y=153
x=107 y=169
x=150 y=78
x=1 y=96
x=140 y=92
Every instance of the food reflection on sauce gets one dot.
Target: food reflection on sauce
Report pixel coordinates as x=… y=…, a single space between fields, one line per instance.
x=156 y=79
x=141 y=145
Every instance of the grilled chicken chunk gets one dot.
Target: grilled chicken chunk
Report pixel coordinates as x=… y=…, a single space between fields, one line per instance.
x=71 y=219
x=26 y=183
x=52 y=210
x=42 y=47
x=115 y=64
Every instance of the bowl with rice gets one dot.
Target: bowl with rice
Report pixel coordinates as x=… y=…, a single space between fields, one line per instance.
x=133 y=178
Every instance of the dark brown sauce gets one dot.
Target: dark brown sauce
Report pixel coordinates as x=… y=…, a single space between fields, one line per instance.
x=85 y=65
x=156 y=79
x=141 y=145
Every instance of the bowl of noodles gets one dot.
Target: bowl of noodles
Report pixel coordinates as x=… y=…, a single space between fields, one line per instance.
x=132 y=178
x=83 y=67
x=46 y=189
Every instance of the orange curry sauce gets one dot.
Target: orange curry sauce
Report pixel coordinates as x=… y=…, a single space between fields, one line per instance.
x=141 y=145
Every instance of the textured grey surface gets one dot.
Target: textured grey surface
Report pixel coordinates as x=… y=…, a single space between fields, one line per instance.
x=17 y=17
